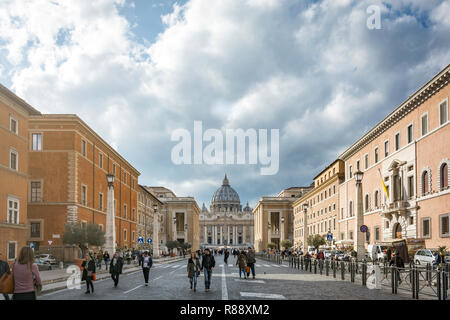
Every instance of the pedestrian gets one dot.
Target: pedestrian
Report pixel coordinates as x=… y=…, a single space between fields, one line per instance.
x=437 y=260
x=122 y=261
x=106 y=258
x=4 y=268
x=26 y=276
x=147 y=263
x=398 y=262
x=193 y=270
x=115 y=268
x=251 y=260
x=226 y=255
x=241 y=262
x=128 y=256
x=88 y=266
x=208 y=264
x=388 y=254
x=99 y=259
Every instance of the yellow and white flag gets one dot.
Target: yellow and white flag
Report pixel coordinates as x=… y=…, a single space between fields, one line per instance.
x=384 y=186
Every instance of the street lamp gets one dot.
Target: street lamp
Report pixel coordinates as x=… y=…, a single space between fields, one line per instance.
x=110 y=234
x=359 y=221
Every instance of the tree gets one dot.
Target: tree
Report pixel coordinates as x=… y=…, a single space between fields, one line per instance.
x=271 y=245
x=316 y=241
x=286 y=244
x=83 y=237
x=172 y=244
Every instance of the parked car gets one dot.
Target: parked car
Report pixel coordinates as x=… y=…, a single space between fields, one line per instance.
x=327 y=254
x=42 y=265
x=377 y=252
x=48 y=258
x=311 y=250
x=425 y=256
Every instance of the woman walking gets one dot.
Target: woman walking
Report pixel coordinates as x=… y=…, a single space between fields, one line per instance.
x=193 y=269
x=115 y=268
x=88 y=266
x=241 y=262
x=26 y=276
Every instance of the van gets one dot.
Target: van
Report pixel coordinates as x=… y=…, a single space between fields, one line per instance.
x=311 y=250
x=377 y=252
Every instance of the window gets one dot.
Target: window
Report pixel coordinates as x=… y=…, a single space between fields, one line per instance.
x=13 y=125
x=125 y=211
x=426 y=222
x=100 y=201
x=411 y=186
x=351 y=235
x=425 y=188
x=367 y=236
x=397 y=141
x=83 y=195
x=366 y=161
x=134 y=214
x=445 y=231
x=377 y=233
x=36 y=140
x=424 y=124
x=36 y=191
x=410 y=133
x=350 y=209
x=13 y=160
x=13 y=211
x=366 y=203
x=350 y=172
x=411 y=221
x=114 y=169
x=35 y=229
x=100 y=160
x=443 y=113
x=133 y=239
x=386 y=226
x=444 y=176
x=125 y=177
x=12 y=250
x=125 y=235
x=375 y=153
x=386 y=148
x=83 y=148
x=357 y=165
x=375 y=198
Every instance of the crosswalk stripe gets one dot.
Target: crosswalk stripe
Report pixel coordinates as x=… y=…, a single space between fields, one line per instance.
x=275 y=265
x=257 y=265
x=266 y=265
x=263 y=295
x=249 y=281
x=230 y=265
x=284 y=266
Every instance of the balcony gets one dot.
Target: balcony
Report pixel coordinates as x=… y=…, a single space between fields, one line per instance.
x=396 y=208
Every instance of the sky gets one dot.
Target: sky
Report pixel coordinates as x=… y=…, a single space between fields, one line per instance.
x=135 y=71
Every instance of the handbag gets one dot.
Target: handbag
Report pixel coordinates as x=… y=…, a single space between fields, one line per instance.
x=247 y=269
x=7 y=283
x=94 y=277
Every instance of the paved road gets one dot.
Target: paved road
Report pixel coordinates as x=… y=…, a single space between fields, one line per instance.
x=169 y=281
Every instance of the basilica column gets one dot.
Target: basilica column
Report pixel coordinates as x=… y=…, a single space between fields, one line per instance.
x=243 y=233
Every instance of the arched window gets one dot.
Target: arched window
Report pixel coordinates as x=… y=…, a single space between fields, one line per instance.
x=366 y=203
x=444 y=176
x=376 y=199
x=350 y=209
x=425 y=188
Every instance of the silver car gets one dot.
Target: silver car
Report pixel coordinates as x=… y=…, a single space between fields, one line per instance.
x=48 y=258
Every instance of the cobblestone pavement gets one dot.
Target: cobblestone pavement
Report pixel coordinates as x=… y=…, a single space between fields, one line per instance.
x=169 y=281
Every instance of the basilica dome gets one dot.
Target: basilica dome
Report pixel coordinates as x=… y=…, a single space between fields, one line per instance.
x=225 y=194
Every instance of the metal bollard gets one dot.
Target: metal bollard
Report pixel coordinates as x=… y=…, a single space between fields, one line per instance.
x=438 y=282
x=320 y=266
x=301 y=261
x=364 y=273
x=444 y=283
x=342 y=270
x=334 y=268
x=315 y=266
x=327 y=268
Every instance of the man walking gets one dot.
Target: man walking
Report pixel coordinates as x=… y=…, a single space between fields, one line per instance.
x=106 y=258
x=115 y=269
x=226 y=255
x=4 y=268
x=146 y=265
x=251 y=260
x=208 y=264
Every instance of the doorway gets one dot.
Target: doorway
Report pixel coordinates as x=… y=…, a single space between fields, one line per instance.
x=397 y=231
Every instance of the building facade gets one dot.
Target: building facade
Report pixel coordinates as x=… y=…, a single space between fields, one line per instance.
x=320 y=216
x=226 y=223
x=148 y=221
x=274 y=218
x=179 y=220
x=68 y=184
x=409 y=152
x=14 y=228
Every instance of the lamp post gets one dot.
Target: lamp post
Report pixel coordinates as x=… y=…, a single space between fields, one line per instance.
x=359 y=221
x=174 y=233
x=305 y=226
x=110 y=236
x=155 y=239
x=282 y=231
x=268 y=234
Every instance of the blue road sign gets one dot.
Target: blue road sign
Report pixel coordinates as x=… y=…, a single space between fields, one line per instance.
x=140 y=240
x=149 y=240
x=329 y=237
x=363 y=228
x=32 y=245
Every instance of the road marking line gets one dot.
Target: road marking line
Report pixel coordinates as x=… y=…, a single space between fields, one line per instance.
x=257 y=265
x=276 y=266
x=284 y=266
x=157 y=278
x=250 y=281
x=263 y=295
x=224 y=285
x=266 y=265
x=221 y=265
x=230 y=265
x=133 y=289
x=173 y=267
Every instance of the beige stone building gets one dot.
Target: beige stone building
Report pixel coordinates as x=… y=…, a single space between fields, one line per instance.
x=274 y=218
x=179 y=218
x=322 y=207
x=148 y=224
x=226 y=224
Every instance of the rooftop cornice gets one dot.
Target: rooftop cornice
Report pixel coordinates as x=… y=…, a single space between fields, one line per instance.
x=415 y=100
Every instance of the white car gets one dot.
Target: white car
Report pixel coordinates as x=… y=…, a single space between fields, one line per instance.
x=376 y=252
x=48 y=258
x=424 y=256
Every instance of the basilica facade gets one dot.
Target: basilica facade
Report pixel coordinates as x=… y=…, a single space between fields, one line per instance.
x=226 y=224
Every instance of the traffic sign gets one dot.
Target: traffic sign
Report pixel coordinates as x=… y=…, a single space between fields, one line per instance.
x=50 y=242
x=140 y=240
x=363 y=228
x=149 y=240
x=329 y=236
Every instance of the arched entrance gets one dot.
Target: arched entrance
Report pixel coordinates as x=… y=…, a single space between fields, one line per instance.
x=397 y=231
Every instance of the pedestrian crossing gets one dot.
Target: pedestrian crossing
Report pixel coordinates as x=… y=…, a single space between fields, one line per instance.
x=171 y=266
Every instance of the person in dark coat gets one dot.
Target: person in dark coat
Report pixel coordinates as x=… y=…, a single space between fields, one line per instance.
x=193 y=270
x=398 y=262
x=88 y=266
x=251 y=260
x=226 y=255
x=106 y=258
x=241 y=262
x=147 y=263
x=389 y=254
x=115 y=268
x=4 y=268
x=208 y=264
